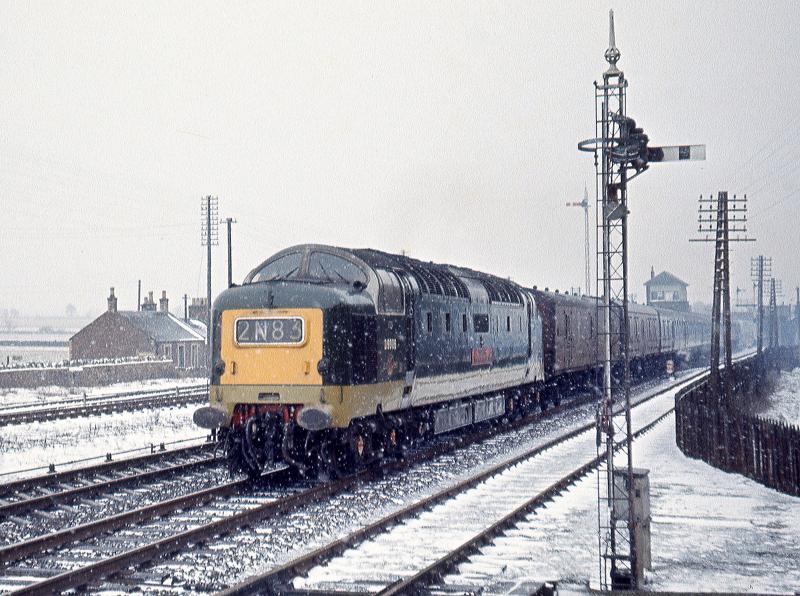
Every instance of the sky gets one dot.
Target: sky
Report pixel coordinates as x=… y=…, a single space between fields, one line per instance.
x=446 y=129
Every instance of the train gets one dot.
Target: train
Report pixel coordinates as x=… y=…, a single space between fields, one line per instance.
x=326 y=358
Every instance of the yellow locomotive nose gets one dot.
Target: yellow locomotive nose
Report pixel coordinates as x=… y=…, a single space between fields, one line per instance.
x=271 y=347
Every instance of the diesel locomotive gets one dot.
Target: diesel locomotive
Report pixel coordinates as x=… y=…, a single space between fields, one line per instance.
x=326 y=358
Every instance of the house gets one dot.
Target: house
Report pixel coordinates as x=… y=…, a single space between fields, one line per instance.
x=146 y=332
x=667 y=291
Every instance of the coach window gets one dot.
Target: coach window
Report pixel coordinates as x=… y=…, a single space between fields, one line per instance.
x=390 y=299
x=447 y=322
x=464 y=323
x=429 y=321
x=508 y=324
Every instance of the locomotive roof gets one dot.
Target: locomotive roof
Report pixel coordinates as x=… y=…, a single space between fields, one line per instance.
x=437 y=278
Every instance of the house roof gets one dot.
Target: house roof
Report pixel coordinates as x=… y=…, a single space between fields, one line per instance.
x=665 y=278
x=162 y=326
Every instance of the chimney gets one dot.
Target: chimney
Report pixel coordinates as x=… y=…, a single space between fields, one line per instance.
x=652 y=272
x=149 y=303
x=112 y=302
x=163 y=303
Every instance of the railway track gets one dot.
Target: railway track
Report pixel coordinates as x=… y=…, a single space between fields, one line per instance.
x=85 y=555
x=74 y=408
x=409 y=550
x=51 y=510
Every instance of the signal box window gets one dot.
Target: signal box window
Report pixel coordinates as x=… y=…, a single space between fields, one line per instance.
x=328 y=267
x=480 y=323
x=281 y=268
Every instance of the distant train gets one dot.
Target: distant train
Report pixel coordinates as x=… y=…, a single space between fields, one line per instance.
x=326 y=358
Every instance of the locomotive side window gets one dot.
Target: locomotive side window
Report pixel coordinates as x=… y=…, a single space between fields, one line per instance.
x=281 y=268
x=480 y=323
x=390 y=298
x=328 y=267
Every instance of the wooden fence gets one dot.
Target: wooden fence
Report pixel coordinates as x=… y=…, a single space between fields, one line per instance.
x=731 y=439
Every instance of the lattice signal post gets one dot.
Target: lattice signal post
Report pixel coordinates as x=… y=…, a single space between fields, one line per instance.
x=584 y=204
x=209 y=236
x=721 y=221
x=621 y=153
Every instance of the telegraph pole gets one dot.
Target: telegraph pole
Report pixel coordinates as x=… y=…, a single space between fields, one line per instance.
x=730 y=214
x=228 y=221
x=760 y=271
x=139 y=297
x=773 y=315
x=621 y=153
x=186 y=307
x=797 y=315
x=209 y=236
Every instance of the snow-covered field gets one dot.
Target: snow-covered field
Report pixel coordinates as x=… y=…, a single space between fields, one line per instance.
x=53 y=393
x=710 y=531
x=784 y=402
x=37 y=444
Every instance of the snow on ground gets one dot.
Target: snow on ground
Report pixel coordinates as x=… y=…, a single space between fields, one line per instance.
x=53 y=393
x=711 y=531
x=784 y=401
x=24 y=446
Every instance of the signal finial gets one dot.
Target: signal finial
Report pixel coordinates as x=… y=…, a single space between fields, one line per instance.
x=612 y=53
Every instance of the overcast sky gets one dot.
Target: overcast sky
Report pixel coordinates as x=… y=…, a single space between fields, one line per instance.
x=446 y=129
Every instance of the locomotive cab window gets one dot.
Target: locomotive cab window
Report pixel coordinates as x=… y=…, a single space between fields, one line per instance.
x=283 y=267
x=332 y=268
x=390 y=297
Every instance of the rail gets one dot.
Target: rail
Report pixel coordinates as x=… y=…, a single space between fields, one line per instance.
x=41 y=403
x=109 y=460
x=126 y=402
